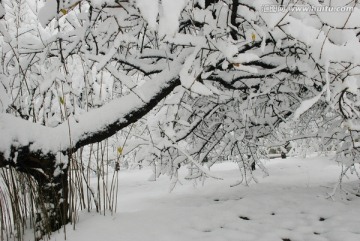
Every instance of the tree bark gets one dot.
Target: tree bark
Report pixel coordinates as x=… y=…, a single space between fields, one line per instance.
x=233 y=17
x=53 y=203
x=209 y=2
x=52 y=189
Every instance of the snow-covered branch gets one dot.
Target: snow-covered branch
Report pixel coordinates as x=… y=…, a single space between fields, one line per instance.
x=91 y=127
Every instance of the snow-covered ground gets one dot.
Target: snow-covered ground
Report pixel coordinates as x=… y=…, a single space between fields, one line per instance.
x=290 y=204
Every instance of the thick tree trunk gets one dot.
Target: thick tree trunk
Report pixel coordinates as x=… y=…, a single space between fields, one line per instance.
x=52 y=190
x=52 y=202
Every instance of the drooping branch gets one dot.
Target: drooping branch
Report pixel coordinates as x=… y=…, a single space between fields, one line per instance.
x=91 y=127
x=129 y=117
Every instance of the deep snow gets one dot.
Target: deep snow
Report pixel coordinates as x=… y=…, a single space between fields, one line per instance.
x=290 y=204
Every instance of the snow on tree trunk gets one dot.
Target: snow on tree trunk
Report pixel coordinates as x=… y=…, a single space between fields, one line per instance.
x=51 y=198
x=53 y=203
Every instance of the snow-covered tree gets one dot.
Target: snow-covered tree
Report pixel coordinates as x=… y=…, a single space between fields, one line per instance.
x=216 y=79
